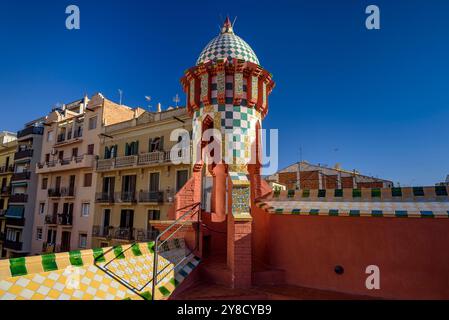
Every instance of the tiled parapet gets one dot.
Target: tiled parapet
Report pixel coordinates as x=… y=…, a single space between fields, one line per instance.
x=432 y=193
x=419 y=202
x=122 y=272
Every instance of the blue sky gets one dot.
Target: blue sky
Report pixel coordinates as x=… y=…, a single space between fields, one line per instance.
x=376 y=101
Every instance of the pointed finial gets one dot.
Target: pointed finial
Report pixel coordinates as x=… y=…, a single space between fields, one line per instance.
x=227 y=26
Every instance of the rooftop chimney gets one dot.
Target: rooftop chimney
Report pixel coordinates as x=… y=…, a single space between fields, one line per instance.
x=159 y=107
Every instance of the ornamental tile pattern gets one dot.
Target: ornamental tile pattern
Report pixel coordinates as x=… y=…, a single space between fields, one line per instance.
x=74 y=275
x=227 y=46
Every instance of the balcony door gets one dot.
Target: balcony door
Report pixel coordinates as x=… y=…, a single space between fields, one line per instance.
x=128 y=188
x=65 y=241
x=72 y=186
x=154 y=182
x=58 y=184
x=126 y=224
x=108 y=185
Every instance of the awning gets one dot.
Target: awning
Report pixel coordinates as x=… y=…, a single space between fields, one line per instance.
x=15 y=212
x=19 y=184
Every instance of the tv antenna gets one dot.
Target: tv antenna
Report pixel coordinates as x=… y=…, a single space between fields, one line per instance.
x=120 y=92
x=176 y=100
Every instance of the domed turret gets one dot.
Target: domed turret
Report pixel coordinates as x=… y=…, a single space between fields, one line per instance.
x=226 y=46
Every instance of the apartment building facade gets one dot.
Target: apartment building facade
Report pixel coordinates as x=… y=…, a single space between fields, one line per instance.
x=137 y=180
x=8 y=145
x=65 y=196
x=20 y=214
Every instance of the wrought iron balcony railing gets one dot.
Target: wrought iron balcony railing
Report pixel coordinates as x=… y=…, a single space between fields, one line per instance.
x=19 y=176
x=18 y=198
x=104 y=197
x=23 y=154
x=51 y=219
x=151 y=196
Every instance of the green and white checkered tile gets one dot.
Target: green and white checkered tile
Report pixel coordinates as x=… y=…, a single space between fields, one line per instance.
x=227 y=46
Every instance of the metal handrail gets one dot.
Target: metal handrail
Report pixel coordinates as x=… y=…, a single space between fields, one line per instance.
x=157 y=245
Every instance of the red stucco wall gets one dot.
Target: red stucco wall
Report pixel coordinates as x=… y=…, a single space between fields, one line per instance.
x=411 y=253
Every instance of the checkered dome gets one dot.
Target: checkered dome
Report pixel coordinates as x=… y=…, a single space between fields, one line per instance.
x=227 y=46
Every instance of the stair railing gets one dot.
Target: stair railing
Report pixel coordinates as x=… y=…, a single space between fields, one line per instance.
x=179 y=224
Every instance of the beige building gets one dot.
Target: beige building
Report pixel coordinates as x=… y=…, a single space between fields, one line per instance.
x=137 y=180
x=8 y=146
x=65 y=197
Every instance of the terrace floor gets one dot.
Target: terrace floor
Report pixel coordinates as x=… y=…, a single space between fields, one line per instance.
x=206 y=291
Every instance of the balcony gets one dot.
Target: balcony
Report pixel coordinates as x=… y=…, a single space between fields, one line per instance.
x=67 y=192
x=17 y=222
x=30 y=130
x=145 y=159
x=6 y=169
x=110 y=232
x=151 y=197
x=113 y=232
x=126 y=196
x=104 y=197
x=51 y=219
x=5 y=191
x=23 y=154
x=20 y=176
x=74 y=163
x=54 y=193
x=65 y=219
x=18 y=198
x=12 y=245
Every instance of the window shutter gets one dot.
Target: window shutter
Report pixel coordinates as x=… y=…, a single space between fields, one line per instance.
x=115 y=151
x=137 y=147
x=106 y=156
x=150 y=142
x=161 y=144
x=127 y=149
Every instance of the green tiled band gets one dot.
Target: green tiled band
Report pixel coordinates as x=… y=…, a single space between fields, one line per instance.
x=118 y=252
x=75 y=258
x=136 y=250
x=98 y=255
x=49 y=262
x=17 y=267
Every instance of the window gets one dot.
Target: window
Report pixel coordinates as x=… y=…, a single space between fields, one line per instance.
x=87 y=179
x=13 y=235
x=181 y=179
x=132 y=148
x=41 y=208
x=50 y=136
x=47 y=158
x=93 y=123
x=83 y=240
x=74 y=152
x=156 y=144
x=154 y=215
x=90 y=149
x=110 y=152
x=44 y=183
x=39 y=234
x=85 y=207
